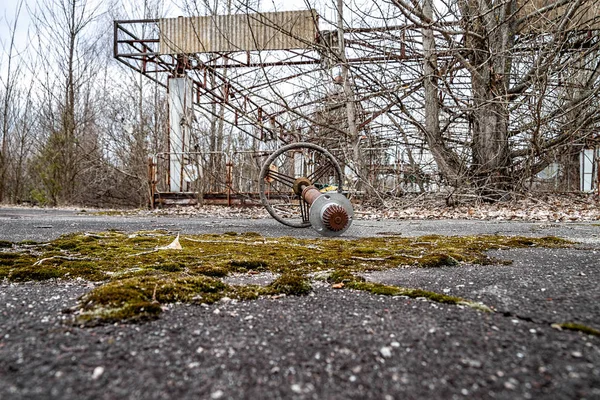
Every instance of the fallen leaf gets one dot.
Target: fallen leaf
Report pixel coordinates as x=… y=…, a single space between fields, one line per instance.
x=174 y=245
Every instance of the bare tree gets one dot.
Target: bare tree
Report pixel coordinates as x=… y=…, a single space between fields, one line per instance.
x=10 y=92
x=68 y=45
x=508 y=65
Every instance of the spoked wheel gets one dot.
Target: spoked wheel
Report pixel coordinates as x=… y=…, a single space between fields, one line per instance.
x=284 y=174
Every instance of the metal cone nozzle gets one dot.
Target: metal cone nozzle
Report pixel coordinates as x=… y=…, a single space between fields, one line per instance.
x=335 y=218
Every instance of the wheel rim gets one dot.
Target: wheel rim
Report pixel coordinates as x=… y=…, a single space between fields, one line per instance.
x=314 y=163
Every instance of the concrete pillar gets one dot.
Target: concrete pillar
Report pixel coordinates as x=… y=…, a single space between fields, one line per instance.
x=180 y=120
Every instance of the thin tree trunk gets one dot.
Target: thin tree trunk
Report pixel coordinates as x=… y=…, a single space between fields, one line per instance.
x=354 y=136
x=448 y=163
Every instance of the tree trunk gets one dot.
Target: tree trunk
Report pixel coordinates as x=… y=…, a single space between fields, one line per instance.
x=448 y=163
x=488 y=48
x=69 y=125
x=491 y=161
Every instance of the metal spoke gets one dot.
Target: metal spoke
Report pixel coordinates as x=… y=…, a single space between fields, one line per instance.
x=304 y=210
x=281 y=178
x=319 y=172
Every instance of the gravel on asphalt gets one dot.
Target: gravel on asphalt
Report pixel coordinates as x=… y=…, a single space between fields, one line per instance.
x=331 y=344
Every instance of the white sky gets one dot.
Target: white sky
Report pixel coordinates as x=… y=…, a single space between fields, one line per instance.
x=7 y=18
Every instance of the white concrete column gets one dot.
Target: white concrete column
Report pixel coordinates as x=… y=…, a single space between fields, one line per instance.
x=180 y=118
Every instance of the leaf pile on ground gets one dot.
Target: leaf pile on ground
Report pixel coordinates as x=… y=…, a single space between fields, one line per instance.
x=139 y=274
x=549 y=208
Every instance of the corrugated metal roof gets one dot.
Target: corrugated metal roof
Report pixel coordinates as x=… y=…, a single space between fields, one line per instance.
x=238 y=32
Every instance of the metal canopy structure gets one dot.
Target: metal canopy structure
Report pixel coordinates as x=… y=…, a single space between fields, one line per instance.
x=272 y=72
x=267 y=76
x=272 y=76
x=286 y=54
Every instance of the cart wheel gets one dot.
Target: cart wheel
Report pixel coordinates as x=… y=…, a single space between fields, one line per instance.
x=285 y=172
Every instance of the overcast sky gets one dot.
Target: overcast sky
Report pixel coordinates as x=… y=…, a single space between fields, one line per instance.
x=8 y=10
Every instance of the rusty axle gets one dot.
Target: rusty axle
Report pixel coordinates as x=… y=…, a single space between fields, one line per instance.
x=330 y=213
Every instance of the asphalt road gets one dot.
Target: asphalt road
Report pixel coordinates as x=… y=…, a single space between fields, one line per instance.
x=19 y=224
x=333 y=344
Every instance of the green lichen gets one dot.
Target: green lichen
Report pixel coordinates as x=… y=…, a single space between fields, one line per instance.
x=376 y=288
x=168 y=266
x=246 y=292
x=210 y=270
x=28 y=243
x=87 y=270
x=251 y=235
x=31 y=273
x=130 y=312
x=8 y=258
x=137 y=275
x=138 y=298
x=364 y=250
x=75 y=241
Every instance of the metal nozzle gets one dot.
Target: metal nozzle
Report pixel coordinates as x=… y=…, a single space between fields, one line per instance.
x=335 y=217
x=331 y=214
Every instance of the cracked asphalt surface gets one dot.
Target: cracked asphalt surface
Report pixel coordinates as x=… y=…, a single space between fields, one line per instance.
x=333 y=344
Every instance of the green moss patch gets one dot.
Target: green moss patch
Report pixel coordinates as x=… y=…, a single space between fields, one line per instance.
x=8 y=258
x=31 y=273
x=139 y=274
x=342 y=276
x=245 y=265
x=389 y=290
x=572 y=326
x=438 y=260
x=290 y=283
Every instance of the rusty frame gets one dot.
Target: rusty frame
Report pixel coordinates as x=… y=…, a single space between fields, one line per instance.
x=142 y=55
